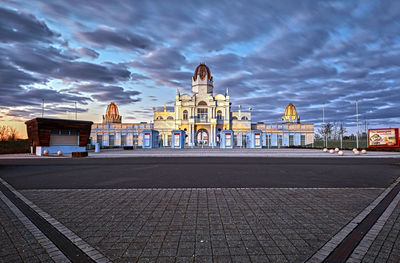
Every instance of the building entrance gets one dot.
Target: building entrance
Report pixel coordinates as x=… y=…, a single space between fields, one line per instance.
x=202 y=137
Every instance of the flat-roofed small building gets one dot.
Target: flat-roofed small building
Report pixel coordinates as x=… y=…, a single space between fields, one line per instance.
x=56 y=135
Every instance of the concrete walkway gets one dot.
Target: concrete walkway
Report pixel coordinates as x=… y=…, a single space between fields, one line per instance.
x=209 y=152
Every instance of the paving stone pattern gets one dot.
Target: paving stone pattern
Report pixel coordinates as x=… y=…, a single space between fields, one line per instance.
x=17 y=244
x=386 y=246
x=204 y=225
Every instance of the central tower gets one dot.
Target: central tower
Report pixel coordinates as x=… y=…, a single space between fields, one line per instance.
x=202 y=81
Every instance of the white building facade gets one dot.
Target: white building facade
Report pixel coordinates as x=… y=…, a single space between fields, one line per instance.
x=203 y=117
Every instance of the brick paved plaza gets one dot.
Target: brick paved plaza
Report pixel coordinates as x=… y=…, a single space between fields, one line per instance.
x=213 y=224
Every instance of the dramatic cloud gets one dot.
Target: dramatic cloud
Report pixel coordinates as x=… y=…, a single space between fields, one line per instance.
x=105 y=37
x=110 y=93
x=22 y=27
x=313 y=54
x=87 y=52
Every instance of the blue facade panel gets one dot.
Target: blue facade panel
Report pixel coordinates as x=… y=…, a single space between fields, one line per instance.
x=53 y=149
x=178 y=139
x=254 y=139
x=297 y=140
x=274 y=140
x=285 y=140
x=227 y=137
x=150 y=139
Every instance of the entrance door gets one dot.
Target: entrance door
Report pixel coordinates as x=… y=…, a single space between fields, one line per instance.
x=202 y=137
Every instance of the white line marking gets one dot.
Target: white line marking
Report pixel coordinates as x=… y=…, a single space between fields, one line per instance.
x=80 y=243
x=327 y=249
x=46 y=243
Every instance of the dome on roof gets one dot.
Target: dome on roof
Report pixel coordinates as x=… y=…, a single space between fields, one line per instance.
x=112 y=114
x=202 y=71
x=112 y=110
x=290 y=114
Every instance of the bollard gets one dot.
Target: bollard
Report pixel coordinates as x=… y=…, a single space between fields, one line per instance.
x=97 y=147
x=59 y=153
x=45 y=152
x=340 y=153
x=364 y=151
x=356 y=153
x=331 y=151
x=336 y=149
x=325 y=150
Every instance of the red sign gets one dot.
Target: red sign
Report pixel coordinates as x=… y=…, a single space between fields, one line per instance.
x=147 y=134
x=383 y=137
x=227 y=133
x=176 y=133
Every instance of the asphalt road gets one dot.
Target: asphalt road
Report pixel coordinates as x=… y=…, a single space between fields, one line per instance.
x=198 y=172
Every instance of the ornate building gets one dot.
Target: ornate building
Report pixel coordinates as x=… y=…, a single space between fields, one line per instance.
x=203 y=116
x=112 y=132
x=287 y=133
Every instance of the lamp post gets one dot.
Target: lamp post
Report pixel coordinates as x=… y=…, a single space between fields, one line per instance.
x=357 y=123
x=323 y=124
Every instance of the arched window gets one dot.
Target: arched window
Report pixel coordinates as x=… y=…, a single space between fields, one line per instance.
x=170 y=118
x=159 y=118
x=234 y=118
x=219 y=115
x=185 y=114
x=202 y=103
x=244 y=118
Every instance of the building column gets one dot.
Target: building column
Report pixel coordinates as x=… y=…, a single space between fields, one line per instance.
x=190 y=134
x=215 y=135
x=193 y=135
x=211 y=139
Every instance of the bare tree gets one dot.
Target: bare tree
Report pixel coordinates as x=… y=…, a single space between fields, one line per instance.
x=12 y=134
x=8 y=133
x=326 y=130
x=3 y=132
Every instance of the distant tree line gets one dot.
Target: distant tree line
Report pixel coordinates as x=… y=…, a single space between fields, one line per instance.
x=331 y=131
x=336 y=130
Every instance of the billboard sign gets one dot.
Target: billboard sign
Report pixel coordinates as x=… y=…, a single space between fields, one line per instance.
x=383 y=137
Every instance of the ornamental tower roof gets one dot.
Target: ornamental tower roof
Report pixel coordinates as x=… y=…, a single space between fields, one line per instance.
x=291 y=114
x=112 y=114
x=202 y=81
x=112 y=110
x=202 y=71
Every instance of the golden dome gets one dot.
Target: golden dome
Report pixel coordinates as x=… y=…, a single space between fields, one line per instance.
x=202 y=70
x=290 y=114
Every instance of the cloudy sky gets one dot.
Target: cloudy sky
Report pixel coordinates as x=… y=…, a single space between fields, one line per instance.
x=136 y=53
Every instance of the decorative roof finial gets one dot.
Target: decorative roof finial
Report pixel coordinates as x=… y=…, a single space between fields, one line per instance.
x=227 y=92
